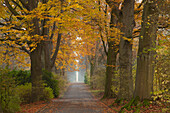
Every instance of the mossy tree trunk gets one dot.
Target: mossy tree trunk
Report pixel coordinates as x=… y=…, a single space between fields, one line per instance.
x=146 y=51
x=110 y=70
x=125 y=51
x=1 y=111
x=111 y=58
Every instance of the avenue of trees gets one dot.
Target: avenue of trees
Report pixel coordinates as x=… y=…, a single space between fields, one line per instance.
x=122 y=44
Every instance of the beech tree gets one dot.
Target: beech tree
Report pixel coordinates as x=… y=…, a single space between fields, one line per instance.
x=112 y=51
x=122 y=18
x=146 y=50
x=27 y=21
x=33 y=26
x=125 y=50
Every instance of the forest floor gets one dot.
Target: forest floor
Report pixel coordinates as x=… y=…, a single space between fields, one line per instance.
x=77 y=99
x=157 y=107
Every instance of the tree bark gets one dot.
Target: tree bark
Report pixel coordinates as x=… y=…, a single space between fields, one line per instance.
x=36 y=73
x=110 y=70
x=111 y=61
x=46 y=55
x=125 y=51
x=94 y=63
x=35 y=56
x=146 y=51
x=1 y=111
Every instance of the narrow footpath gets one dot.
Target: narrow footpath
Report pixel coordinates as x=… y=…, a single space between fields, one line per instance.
x=77 y=99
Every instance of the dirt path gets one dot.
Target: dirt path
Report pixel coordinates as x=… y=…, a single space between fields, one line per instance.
x=77 y=99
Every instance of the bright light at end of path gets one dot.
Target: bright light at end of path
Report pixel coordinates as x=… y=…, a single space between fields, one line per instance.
x=78 y=38
x=77 y=76
x=138 y=1
x=77 y=60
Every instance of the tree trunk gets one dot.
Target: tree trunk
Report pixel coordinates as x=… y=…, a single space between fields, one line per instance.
x=110 y=70
x=146 y=51
x=35 y=56
x=125 y=51
x=1 y=111
x=36 y=73
x=94 y=63
x=111 y=60
x=92 y=66
x=47 y=56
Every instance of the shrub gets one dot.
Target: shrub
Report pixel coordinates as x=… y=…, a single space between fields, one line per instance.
x=62 y=83
x=24 y=77
x=47 y=94
x=21 y=76
x=24 y=92
x=51 y=82
x=87 y=78
x=98 y=79
x=9 y=100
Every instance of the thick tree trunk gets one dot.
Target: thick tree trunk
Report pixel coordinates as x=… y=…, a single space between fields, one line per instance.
x=36 y=73
x=145 y=59
x=110 y=70
x=47 y=56
x=35 y=56
x=125 y=51
x=1 y=111
x=111 y=59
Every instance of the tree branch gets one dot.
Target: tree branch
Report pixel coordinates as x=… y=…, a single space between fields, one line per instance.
x=23 y=48
x=104 y=47
x=17 y=43
x=12 y=27
x=24 y=4
x=12 y=10
x=137 y=31
x=17 y=4
x=52 y=34
x=103 y=41
x=56 y=50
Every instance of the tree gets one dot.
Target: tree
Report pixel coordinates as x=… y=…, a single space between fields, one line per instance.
x=31 y=26
x=112 y=49
x=94 y=59
x=1 y=108
x=146 y=51
x=125 y=50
